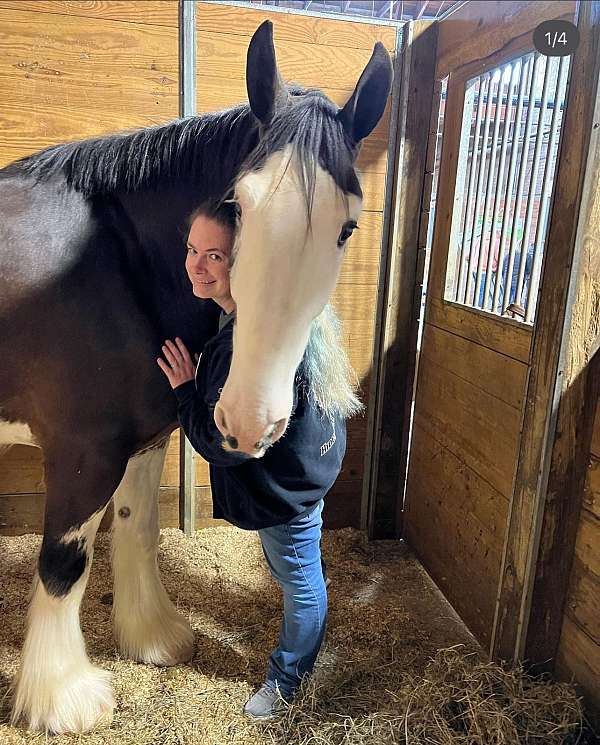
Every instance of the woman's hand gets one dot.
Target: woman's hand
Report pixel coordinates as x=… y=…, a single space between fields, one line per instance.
x=179 y=367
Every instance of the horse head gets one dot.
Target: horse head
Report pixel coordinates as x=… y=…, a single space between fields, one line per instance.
x=299 y=200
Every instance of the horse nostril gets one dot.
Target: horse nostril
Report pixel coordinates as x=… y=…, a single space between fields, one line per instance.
x=231 y=441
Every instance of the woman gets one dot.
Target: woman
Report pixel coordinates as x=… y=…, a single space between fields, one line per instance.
x=281 y=494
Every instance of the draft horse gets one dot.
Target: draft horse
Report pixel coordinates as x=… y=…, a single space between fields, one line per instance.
x=92 y=281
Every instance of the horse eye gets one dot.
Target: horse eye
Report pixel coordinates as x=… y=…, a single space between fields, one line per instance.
x=346 y=232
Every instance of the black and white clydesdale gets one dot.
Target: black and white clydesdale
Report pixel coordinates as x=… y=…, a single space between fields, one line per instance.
x=92 y=281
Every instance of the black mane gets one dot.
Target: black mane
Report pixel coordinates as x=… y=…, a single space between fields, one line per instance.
x=211 y=149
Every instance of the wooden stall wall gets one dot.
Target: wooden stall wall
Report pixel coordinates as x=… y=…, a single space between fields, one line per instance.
x=579 y=649
x=71 y=70
x=330 y=55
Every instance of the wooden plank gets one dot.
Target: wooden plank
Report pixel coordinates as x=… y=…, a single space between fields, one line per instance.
x=75 y=73
x=478 y=428
x=213 y=18
x=152 y=12
x=479 y=28
x=553 y=457
x=223 y=55
x=451 y=500
x=591 y=496
x=393 y=390
x=579 y=657
x=22 y=471
x=583 y=604
x=508 y=338
x=595 y=446
x=493 y=372
x=587 y=545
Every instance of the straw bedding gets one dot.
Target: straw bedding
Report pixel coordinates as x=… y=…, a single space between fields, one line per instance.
x=397 y=665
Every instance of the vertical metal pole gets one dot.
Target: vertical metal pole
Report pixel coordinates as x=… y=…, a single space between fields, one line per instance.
x=488 y=193
x=499 y=191
x=533 y=179
x=464 y=257
x=549 y=168
x=462 y=275
x=187 y=107
x=519 y=196
x=479 y=193
x=525 y=71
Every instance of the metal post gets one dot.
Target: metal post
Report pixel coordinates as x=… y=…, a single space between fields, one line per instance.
x=519 y=196
x=187 y=107
x=524 y=77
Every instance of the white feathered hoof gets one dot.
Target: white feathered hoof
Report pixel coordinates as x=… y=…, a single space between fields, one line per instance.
x=165 y=640
x=77 y=701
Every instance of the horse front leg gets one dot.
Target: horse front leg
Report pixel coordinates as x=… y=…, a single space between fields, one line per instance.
x=57 y=689
x=147 y=626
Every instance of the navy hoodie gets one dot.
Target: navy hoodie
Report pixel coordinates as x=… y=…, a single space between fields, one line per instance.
x=292 y=476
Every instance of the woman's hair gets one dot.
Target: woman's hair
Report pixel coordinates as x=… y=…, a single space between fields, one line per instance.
x=330 y=378
x=221 y=212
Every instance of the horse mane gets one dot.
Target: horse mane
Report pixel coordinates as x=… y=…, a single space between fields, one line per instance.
x=199 y=148
x=211 y=149
x=330 y=378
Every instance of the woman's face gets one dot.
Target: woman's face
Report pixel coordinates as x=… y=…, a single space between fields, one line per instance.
x=209 y=247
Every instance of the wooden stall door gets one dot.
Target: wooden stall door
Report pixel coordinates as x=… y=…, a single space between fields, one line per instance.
x=328 y=54
x=474 y=365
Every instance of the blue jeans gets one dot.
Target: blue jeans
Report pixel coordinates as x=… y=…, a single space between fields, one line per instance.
x=293 y=553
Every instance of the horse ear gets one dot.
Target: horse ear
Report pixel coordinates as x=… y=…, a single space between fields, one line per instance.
x=365 y=106
x=266 y=90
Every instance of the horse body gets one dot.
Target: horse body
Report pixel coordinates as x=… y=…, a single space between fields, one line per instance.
x=92 y=280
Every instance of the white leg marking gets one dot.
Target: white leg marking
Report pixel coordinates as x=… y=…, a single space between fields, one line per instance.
x=147 y=626
x=57 y=688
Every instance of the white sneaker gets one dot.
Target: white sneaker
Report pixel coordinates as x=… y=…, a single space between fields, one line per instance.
x=266 y=703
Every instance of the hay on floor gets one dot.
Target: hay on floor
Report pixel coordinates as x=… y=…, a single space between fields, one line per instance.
x=397 y=665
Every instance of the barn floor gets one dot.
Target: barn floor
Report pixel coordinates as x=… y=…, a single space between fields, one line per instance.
x=385 y=614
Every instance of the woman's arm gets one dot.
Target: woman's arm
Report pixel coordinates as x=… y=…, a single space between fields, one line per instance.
x=195 y=413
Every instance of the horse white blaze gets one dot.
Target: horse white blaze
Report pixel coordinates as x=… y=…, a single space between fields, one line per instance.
x=283 y=275
x=57 y=688
x=147 y=626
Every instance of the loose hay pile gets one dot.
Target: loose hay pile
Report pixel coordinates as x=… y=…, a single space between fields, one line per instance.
x=380 y=678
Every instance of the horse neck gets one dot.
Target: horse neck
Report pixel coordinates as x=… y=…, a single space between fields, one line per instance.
x=217 y=145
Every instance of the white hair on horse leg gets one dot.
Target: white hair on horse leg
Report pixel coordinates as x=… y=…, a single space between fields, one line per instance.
x=147 y=626
x=57 y=688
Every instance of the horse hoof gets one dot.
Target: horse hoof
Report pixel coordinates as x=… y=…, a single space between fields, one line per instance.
x=167 y=643
x=77 y=703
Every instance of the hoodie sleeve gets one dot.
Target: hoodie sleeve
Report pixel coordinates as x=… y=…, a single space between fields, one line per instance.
x=195 y=412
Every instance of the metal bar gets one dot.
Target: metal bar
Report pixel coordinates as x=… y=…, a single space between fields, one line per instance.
x=525 y=71
x=187 y=107
x=533 y=180
x=499 y=191
x=395 y=148
x=422 y=9
x=461 y=285
x=549 y=171
x=187 y=58
x=519 y=196
x=317 y=14
x=479 y=193
x=488 y=192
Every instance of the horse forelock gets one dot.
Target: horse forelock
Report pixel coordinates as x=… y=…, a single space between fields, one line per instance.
x=308 y=125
